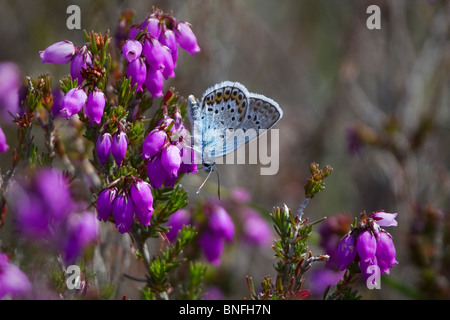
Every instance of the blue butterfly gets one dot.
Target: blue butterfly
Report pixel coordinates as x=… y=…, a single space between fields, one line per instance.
x=227 y=117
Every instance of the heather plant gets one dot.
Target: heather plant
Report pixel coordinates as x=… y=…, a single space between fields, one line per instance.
x=116 y=149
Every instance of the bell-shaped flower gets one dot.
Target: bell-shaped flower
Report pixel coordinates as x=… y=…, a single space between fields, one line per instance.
x=123 y=212
x=220 y=222
x=171 y=160
x=137 y=71
x=346 y=251
x=366 y=244
x=186 y=38
x=13 y=281
x=103 y=147
x=212 y=246
x=154 y=54
x=58 y=53
x=132 y=50
x=156 y=173
x=80 y=61
x=153 y=143
x=105 y=203
x=168 y=39
x=119 y=146
x=176 y=221
x=384 y=219
x=154 y=82
x=169 y=65
x=95 y=105
x=73 y=102
x=385 y=252
x=142 y=197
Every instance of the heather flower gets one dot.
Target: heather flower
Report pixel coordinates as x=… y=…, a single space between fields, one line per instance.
x=142 y=197
x=3 y=145
x=119 y=146
x=13 y=282
x=154 y=54
x=10 y=82
x=58 y=96
x=95 y=105
x=103 y=147
x=176 y=221
x=322 y=278
x=137 y=71
x=188 y=161
x=105 y=203
x=123 y=212
x=255 y=230
x=154 y=82
x=73 y=102
x=366 y=244
x=212 y=246
x=384 y=219
x=58 y=53
x=82 y=229
x=153 y=27
x=220 y=223
x=346 y=251
x=169 y=65
x=186 y=38
x=132 y=50
x=385 y=254
x=156 y=173
x=171 y=160
x=168 y=39
x=153 y=143
x=81 y=60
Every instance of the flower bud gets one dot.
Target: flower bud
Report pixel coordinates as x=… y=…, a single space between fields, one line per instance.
x=95 y=105
x=123 y=212
x=156 y=173
x=137 y=71
x=366 y=244
x=3 y=145
x=73 y=102
x=346 y=251
x=58 y=53
x=153 y=143
x=119 y=146
x=171 y=160
x=80 y=61
x=186 y=38
x=132 y=50
x=105 y=203
x=103 y=147
x=142 y=197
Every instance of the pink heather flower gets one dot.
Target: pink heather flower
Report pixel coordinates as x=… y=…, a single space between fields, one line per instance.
x=82 y=230
x=171 y=160
x=220 y=223
x=154 y=82
x=212 y=246
x=255 y=230
x=103 y=147
x=153 y=143
x=176 y=221
x=346 y=251
x=153 y=27
x=119 y=146
x=58 y=53
x=154 y=54
x=73 y=102
x=105 y=203
x=169 y=64
x=384 y=219
x=123 y=213
x=366 y=244
x=137 y=71
x=10 y=82
x=142 y=197
x=132 y=50
x=385 y=252
x=13 y=282
x=186 y=38
x=95 y=105
x=156 y=173
x=168 y=39
x=58 y=97
x=80 y=61
x=3 y=145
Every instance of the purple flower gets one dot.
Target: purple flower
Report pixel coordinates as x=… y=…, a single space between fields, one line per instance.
x=58 y=97
x=366 y=244
x=188 y=161
x=384 y=219
x=220 y=223
x=186 y=38
x=105 y=203
x=119 y=146
x=385 y=254
x=322 y=278
x=256 y=231
x=82 y=229
x=132 y=50
x=80 y=61
x=154 y=54
x=168 y=39
x=58 y=53
x=141 y=194
x=346 y=251
x=3 y=145
x=153 y=143
x=13 y=282
x=176 y=221
x=137 y=71
x=103 y=147
x=171 y=160
x=73 y=102
x=95 y=105
x=154 y=82
x=169 y=64
x=212 y=246
x=123 y=212
x=156 y=173
x=153 y=27
x=10 y=82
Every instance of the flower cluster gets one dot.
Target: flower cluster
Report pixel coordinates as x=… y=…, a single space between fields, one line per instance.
x=124 y=205
x=369 y=244
x=151 y=50
x=13 y=282
x=46 y=212
x=167 y=152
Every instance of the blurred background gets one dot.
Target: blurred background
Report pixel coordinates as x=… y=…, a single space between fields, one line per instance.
x=372 y=104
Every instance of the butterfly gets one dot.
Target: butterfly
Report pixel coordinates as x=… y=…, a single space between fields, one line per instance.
x=227 y=117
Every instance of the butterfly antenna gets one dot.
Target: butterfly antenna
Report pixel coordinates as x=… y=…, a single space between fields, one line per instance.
x=218 y=182
x=201 y=186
